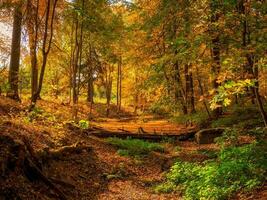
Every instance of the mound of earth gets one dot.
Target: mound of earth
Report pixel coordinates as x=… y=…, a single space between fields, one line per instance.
x=9 y=107
x=27 y=174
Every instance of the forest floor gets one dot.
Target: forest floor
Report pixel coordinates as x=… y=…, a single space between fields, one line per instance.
x=100 y=173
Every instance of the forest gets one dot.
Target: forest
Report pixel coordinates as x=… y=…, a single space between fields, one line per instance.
x=133 y=99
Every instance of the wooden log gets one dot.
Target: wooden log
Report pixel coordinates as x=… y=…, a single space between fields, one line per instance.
x=145 y=136
x=141 y=131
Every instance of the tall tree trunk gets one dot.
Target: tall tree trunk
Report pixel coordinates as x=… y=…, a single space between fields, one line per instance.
x=245 y=41
x=215 y=50
x=258 y=97
x=76 y=64
x=90 y=87
x=191 y=93
x=189 y=89
x=250 y=62
x=47 y=41
x=90 y=81
x=119 y=84
x=108 y=90
x=74 y=72
x=201 y=89
x=13 y=77
x=80 y=53
x=32 y=26
x=179 y=92
x=136 y=93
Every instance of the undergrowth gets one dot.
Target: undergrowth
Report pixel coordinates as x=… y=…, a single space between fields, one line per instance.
x=39 y=115
x=236 y=116
x=235 y=168
x=240 y=117
x=201 y=119
x=134 y=147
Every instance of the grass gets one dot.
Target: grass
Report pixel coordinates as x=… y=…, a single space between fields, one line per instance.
x=209 y=153
x=232 y=169
x=134 y=147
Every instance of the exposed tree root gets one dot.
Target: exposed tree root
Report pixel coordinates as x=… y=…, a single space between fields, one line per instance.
x=62 y=152
x=18 y=156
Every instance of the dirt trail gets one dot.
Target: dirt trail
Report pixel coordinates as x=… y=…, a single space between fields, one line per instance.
x=123 y=178
x=148 y=123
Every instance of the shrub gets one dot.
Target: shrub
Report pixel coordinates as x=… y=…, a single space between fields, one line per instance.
x=133 y=147
x=201 y=119
x=236 y=168
x=84 y=124
x=241 y=117
x=229 y=137
x=36 y=113
x=163 y=106
x=209 y=153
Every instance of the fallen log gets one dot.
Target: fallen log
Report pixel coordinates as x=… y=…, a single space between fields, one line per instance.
x=144 y=136
x=141 y=131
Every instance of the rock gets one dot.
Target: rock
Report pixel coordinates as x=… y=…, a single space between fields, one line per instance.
x=207 y=136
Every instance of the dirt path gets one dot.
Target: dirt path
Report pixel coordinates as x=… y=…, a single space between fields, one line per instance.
x=148 y=123
x=120 y=178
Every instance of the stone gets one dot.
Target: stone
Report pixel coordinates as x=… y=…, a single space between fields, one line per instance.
x=207 y=136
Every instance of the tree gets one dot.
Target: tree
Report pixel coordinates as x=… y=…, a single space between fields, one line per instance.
x=46 y=44
x=32 y=23
x=13 y=77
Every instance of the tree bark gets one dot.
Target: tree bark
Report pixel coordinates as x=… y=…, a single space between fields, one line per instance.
x=32 y=26
x=215 y=50
x=119 y=84
x=74 y=73
x=13 y=78
x=251 y=63
x=90 y=78
x=191 y=93
x=108 y=89
x=47 y=41
x=90 y=87
x=179 y=92
x=201 y=89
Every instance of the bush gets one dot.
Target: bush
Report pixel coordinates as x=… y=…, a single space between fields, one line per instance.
x=36 y=113
x=201 y=119
x=84 y=124
x=241 y=117
x=134 y=147
x=236 y=168
x=163 y=106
